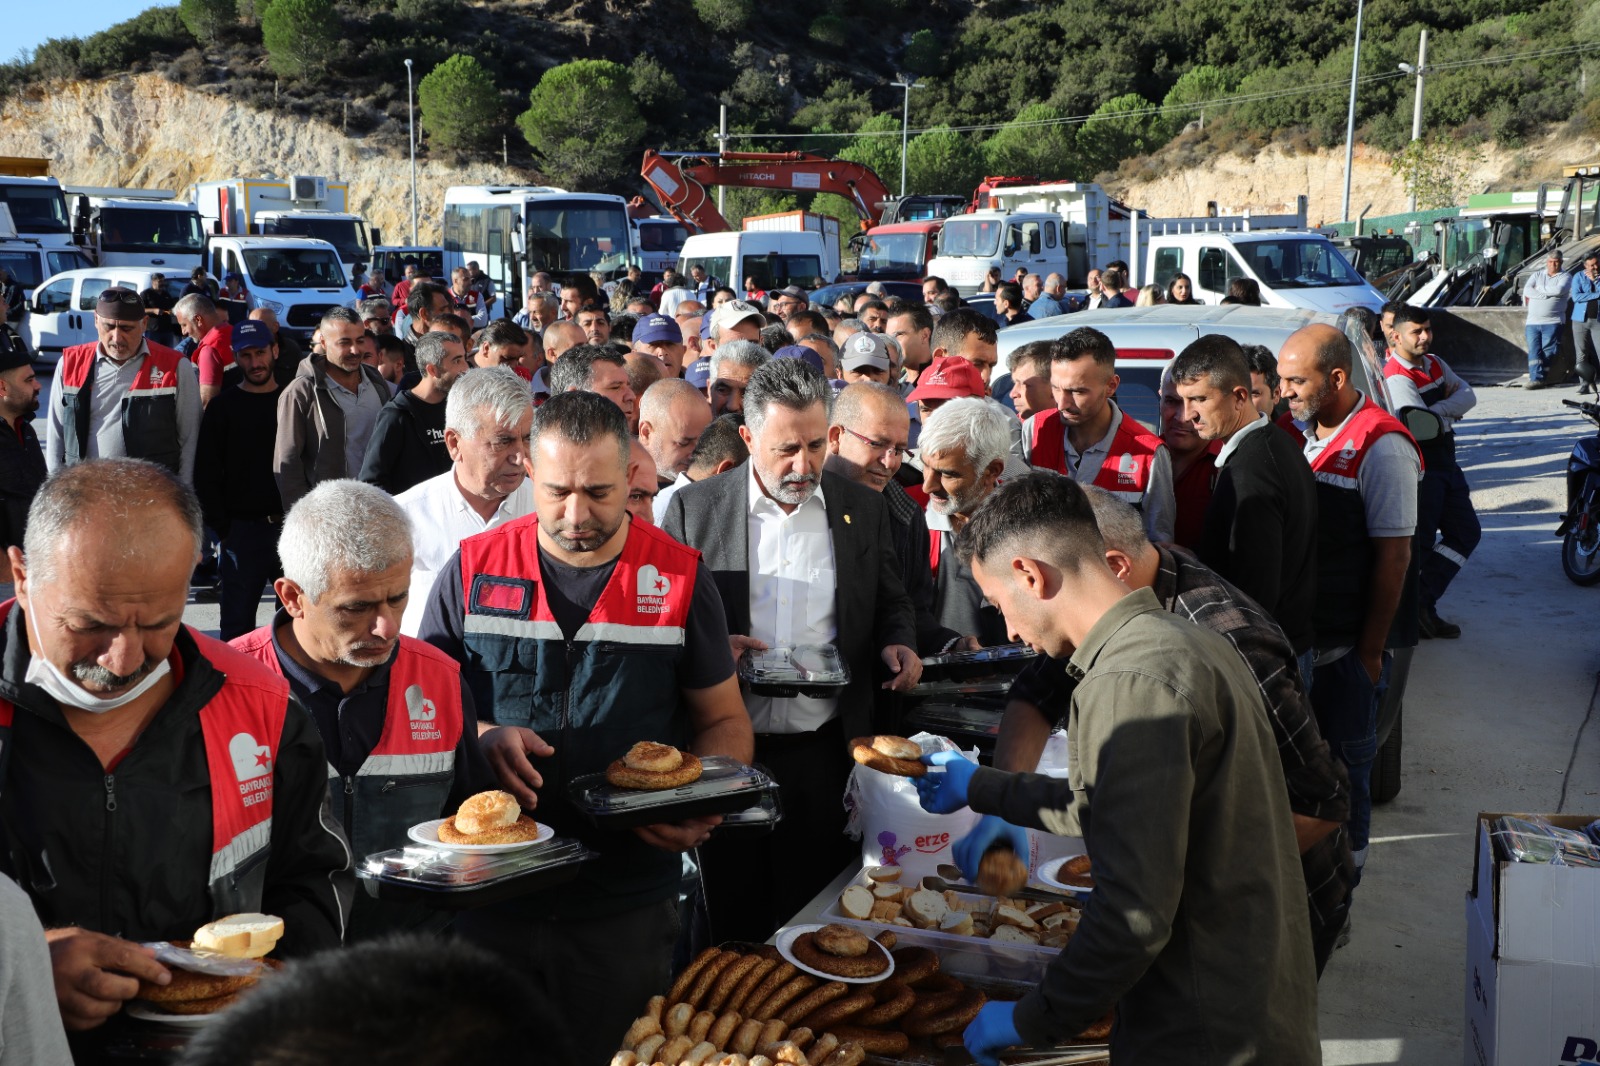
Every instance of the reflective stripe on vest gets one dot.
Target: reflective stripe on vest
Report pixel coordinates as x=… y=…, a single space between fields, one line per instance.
x=1428 y=378
x=241 y=727
x=155 y=385
x=1339 y=464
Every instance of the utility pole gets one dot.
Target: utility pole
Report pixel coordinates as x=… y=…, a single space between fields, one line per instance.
x=907 y=83
x=411 y=127
x=1420 y=70
x=722 y=149
x=1350 y=121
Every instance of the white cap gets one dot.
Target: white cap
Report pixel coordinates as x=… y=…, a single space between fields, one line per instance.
x=732 y=313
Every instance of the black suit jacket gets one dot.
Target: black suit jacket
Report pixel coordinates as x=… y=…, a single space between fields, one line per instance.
x=871 y=607
x=1261 y=530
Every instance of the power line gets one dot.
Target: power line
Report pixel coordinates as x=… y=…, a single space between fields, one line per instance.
x=1198 y=105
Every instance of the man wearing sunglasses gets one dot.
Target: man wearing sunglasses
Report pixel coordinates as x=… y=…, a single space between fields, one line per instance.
x=124 y=395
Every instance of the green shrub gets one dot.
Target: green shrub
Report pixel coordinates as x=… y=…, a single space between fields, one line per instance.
x=831 y=31
x=57 y=59
x=459 y=102
x=300 y=36
x=208 y=19
x=725 y=16
x=924 y=54
x=582 y=122
x=942 y=161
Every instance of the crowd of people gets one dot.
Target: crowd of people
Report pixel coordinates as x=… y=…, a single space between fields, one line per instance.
x=551 y=535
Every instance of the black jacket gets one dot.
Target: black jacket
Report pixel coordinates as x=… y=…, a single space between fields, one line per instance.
x=142 y=870
x=407 y=445
x=22 y=471
x=911 y=545
x=1261 y=530
x=871 y=608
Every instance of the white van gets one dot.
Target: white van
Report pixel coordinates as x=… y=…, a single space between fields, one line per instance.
x=296 y=278
x=61 y=312
x=773 y=259
x=1295 y=268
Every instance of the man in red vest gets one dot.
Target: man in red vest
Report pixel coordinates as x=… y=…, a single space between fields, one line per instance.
x=396 y=720
x=151 y=779
x=124 y=395
x=1089 y=439
x=581 y=633
x=1367 y=468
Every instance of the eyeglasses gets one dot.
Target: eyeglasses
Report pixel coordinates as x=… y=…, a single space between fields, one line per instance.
x=879 y=447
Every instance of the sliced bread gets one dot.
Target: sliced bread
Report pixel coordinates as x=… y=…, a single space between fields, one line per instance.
x=242 y=936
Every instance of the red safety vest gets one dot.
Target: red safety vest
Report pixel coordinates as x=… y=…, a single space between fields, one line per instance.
x=149 y=414
x=242 y=727
x=1339 y=463
x=1428 y=378
x=1128 y=462
x=422 y=719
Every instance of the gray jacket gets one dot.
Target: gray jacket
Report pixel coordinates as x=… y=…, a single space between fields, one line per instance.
x=310 y=446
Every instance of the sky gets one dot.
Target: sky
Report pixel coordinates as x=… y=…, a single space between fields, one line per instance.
x=28 y=25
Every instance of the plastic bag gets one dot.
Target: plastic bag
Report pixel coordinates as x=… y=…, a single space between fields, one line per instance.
x=1536 y=840
x=893 y=828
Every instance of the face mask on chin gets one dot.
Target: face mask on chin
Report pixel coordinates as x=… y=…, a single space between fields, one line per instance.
x=69 y=693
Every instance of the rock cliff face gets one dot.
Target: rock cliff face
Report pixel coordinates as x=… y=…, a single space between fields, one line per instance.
x=142 y=131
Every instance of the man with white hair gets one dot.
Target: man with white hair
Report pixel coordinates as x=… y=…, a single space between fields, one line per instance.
x=672 y=415
x=152 y=779
x=800 y=556
x=731 y=366
x=486 y=422
x=964 y=445
x=538 y=312
x=395 y=718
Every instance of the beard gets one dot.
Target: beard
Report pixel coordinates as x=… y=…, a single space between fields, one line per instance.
x=790 y=489
x=1315 y=402
x=97 y=678
x=366 y=653
x=585 y=537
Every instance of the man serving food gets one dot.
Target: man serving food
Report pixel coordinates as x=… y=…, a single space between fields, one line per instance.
x=590 y=640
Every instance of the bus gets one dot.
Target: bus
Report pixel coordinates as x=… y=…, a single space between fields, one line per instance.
x=513 y=232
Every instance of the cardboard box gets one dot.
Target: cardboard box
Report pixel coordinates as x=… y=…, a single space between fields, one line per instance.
x=1533 y=959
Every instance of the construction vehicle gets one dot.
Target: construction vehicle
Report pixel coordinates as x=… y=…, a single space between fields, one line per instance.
x=137 y=227
x=1473 y=252
x=680 y=181
x=303 y=205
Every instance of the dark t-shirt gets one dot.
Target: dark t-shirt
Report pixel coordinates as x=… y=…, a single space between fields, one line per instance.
x=572 y=593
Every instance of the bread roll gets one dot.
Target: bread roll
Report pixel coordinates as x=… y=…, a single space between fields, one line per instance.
x=857 y=902
x=885 y=873
x=240 y=936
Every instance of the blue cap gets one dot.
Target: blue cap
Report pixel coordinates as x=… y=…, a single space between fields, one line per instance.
x=698 y=373
x=802 y=353
x=657 y=329
x=252 y=334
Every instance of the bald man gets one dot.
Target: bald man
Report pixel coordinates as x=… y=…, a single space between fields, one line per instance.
x=672 y=415
x=1367 y=469
x=642 y=484
x=559 y=336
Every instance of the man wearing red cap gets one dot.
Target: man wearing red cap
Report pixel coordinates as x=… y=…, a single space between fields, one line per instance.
x=949 y=378
x=1089 y=439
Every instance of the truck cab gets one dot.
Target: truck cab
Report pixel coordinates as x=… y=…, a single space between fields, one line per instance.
x=302 y=205
x=296 y=278
x=973 y=244
x=660 y=239
x=1294 y=268
x=899 y=251
x=157 y=230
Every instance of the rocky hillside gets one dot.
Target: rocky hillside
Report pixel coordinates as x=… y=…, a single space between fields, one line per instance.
x=143 y=131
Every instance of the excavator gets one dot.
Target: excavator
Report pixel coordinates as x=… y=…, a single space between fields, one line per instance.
x=681 y=181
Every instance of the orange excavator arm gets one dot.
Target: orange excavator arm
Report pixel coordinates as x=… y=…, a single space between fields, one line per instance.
x=681 y=182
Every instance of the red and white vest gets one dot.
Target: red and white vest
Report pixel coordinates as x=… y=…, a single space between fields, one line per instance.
x=242 y=727
x=149 y=410
x=1128 y=463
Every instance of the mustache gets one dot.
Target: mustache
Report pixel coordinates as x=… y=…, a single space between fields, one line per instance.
x=92 y=673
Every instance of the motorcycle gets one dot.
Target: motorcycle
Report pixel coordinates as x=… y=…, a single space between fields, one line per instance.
x=1580 y=527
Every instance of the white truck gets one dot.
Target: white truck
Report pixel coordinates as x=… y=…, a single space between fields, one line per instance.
x=30 y=260
x=773 y=259
x=658 y=239
x=1067 y=228
x=825 y=226
x=137 y=227
x=1294 y=268
x=302 y=205
x=296 y=278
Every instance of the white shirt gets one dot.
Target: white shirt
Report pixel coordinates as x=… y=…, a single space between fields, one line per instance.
x=1232 y=443
x=659 y=506
x=792 y=584
x=441 y=518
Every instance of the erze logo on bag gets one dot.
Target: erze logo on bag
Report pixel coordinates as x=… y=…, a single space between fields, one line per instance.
x=653 y=589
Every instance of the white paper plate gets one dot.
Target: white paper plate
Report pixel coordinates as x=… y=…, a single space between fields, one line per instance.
x=787 y=937
x=147 y=1013
x=428 y=833
x=1048 y=874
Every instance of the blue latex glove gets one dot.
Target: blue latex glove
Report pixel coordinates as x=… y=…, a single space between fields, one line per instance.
x=945 y=792
x=990 y=831
x=991 y=1032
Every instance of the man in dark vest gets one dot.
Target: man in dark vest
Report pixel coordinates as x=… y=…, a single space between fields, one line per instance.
x=581 y=633
x=124 y=395
x=395 y=718
x=151 y=779
x=1367 y=468
x=1087 y=437
x=22 y=468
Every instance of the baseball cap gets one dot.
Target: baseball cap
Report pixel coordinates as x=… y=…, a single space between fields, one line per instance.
x=794 y=292
x=800 y=352
x=735 y=311
x=12 y=353
x=251 y=334
x=657 y=329
x=864 y=349
x=120 y=305
x=698 y=373
x=948 y=379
